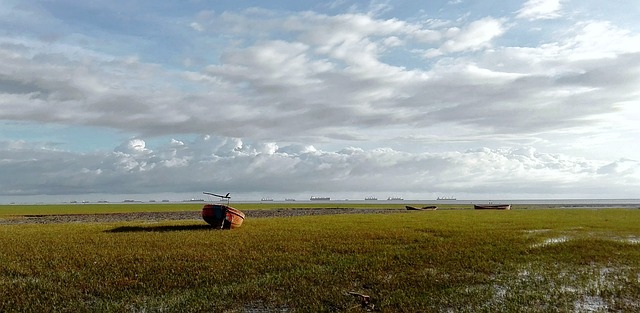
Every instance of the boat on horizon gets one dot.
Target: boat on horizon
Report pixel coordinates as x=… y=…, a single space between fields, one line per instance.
x=370 y=198
x=446 y=198
x=424 y=208
x=394 y=199
x=492 y=206
x=320 y=198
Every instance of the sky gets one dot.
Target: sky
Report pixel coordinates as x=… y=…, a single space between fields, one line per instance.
x=144 y=99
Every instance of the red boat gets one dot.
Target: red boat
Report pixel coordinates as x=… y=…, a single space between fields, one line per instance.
x=222 y=216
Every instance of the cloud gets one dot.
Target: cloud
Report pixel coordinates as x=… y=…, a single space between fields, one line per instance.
x=540 y=9
x=220 y=163
x=477 y=35
x=327 y=79
x=621 y=167
x=317 y=95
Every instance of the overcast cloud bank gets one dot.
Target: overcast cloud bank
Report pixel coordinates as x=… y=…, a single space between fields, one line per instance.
x=535 y=100
x=212 y=163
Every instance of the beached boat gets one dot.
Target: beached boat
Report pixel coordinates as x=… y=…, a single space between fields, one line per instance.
x=424 y=208
x=492 y=206
x=222 y=216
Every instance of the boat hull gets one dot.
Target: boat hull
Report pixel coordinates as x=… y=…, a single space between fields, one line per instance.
x=222 y=216
x=424 y=208
x=492 y=207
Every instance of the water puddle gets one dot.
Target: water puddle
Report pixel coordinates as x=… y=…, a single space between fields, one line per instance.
x=590 y=304
x=551 y=241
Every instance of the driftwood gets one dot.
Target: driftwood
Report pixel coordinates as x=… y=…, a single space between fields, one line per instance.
x=365 y=301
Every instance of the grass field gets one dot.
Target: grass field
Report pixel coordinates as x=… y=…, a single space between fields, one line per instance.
x=93 y=208
x=431 y=261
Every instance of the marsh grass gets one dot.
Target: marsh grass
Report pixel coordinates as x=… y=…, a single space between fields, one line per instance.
x=434 y=261
x=96 y=208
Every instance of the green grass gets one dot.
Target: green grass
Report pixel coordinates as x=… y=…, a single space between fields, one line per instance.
x=450 y=260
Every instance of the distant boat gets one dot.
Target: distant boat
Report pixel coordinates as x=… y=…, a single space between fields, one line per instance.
x=289 y=199
x=320 y=198
x=492 y=206
x=446 y=198
x=395 y=199
x=266 y=199
x=424 y=208
x=370 y=198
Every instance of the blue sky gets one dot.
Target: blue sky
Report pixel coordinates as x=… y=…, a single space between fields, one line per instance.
x=477 y=99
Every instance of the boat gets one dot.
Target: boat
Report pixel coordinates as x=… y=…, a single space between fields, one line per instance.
x=222 y=216
x=395 y=199
x=320 y=198
x=446 y=198
x=266 y=199
x=289 y=199
x=370 y=199
x=424 y=208
x=492 y=206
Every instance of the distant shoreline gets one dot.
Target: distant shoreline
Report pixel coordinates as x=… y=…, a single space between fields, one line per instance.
x=555 y=203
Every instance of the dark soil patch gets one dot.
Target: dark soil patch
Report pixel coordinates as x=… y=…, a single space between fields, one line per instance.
x=180 y=215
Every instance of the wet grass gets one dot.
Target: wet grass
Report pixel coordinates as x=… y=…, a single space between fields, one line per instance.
x=430 y=261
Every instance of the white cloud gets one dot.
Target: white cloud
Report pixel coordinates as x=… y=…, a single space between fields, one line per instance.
x=477 y=35
x=540 y=9
x=622 y=167
x=133 y=146
x=197 y=26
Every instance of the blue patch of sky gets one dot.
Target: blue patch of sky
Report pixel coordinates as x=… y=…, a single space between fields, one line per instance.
x=405 y=59
x=452 y=10
x=621 y=13
x=127 y=30
x=80 y=139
